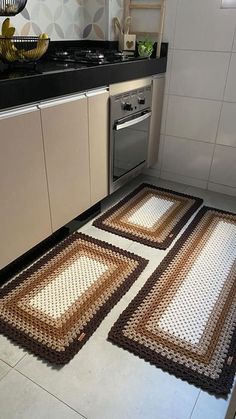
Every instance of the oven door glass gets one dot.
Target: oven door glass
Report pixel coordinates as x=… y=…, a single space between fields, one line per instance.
x=130 y=143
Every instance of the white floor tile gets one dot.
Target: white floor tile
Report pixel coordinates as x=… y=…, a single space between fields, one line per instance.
x=214 y=199
x=209 y=407
x=168 y=184
x=22 y=399
x=104 y=382
x=110 y=238
x=4 y=369
x=9 y=352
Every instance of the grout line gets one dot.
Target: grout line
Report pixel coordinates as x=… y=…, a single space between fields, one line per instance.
x=194 y=139
x=20 y=360
x=168 y=87
x=228 y=51
x=221 y=109
x=195 y=404
x=51 y=394
x=185 y=177
x=222 y=184
x=10 y=369
x=13 y=366
x=202 y=98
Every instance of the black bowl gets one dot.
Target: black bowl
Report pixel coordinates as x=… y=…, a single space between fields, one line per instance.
x=11 y=7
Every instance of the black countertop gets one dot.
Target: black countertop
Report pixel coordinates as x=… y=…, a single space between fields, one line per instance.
x=49 y=79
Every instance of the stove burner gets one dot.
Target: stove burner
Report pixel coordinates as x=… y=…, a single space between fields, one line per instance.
x=61 y=54
x=94 y=56
x=88 y=56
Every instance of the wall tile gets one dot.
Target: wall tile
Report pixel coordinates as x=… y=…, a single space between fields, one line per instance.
x=192 y=118
x=60 y=19
x=230 y=92
x=223 y=169
x=186 y=180
x=203 y=25
x=157 y=166
x=169 y=26
x=199 y=74
x=187 y=158
x=227 y=190
x=227 y=127
x=164 y=113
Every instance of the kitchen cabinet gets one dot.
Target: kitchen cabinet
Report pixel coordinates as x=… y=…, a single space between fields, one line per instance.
x=24 y=210
x=65 y=133
x=158 y=86
x=98 y=143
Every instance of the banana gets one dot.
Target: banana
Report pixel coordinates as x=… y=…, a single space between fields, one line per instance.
x=11 y=53
x=43 y=36
x=39 y=50
x=7 y=32
x=5 y=26
x=10 y=32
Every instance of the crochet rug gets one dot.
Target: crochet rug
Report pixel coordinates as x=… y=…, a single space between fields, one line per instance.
x=184 y=318
x=150 y=215
x=54 y=306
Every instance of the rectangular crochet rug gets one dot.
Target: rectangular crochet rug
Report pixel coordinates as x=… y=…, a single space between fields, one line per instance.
x=53 y=307
x=184 y=318
x=150 y=215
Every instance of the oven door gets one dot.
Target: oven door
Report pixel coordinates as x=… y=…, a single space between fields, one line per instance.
x=130 y=143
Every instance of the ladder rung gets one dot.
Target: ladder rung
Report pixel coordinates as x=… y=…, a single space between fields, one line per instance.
x=144 y=6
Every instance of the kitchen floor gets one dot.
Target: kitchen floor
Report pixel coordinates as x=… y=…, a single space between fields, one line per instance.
x=104 y=381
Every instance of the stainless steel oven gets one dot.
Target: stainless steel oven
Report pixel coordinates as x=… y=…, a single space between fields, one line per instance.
x=130 y=114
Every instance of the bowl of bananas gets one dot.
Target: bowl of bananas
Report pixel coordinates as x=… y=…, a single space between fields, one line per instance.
x=21 y=48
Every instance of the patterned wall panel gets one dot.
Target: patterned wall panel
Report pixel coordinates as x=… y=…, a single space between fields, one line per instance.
x=68 y=19
x=61 y=19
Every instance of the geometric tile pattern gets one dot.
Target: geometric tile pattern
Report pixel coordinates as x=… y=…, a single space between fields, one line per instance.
x=184 y=318
x=150 y=215
x=53 y=307
x=67 y=19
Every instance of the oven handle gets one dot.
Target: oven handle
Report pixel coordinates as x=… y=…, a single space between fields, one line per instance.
x=135 y=121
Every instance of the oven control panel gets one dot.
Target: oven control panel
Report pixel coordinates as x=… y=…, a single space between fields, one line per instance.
x=131 y=102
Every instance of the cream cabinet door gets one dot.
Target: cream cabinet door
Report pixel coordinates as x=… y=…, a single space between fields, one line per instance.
x=24 y=207
x=98 y=143
x=65 y=133
x=158 y=86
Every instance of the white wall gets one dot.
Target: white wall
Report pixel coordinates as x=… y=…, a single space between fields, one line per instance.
x=198 y=141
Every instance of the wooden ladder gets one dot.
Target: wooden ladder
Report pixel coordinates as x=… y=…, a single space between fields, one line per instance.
x=129 y=6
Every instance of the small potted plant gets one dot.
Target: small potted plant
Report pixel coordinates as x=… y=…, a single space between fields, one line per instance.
x=145 y=48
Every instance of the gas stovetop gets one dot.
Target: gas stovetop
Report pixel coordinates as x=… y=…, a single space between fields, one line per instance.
x=89 y=57
x=60 y=58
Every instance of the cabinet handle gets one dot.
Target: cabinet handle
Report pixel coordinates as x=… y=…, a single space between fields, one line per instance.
x=57 y=102
x=17 y=112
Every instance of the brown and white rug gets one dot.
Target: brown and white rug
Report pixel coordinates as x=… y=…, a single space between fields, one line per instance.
x=184 y=318
x=150 y=215
x=53 y=307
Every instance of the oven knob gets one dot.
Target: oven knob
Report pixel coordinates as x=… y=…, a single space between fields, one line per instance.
x=127 y=107
x=141 y=101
